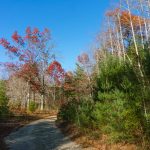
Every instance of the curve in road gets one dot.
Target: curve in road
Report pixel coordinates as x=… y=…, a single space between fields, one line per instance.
x=40 y=135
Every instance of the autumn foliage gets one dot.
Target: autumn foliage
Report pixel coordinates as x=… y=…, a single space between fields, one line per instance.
x=32 y=54
x=26 y=48
x=56 y=72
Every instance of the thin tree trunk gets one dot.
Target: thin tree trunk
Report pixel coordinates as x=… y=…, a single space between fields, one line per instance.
x=120 y=27
x=54 y=94
x=134 y=39
x=42 y=102
x=142 y=40
x=97 y=62
x=110 y=35
x=42 y=99
x=139 y=65
x=145 y=24
x=28 y=96
x=119 y=47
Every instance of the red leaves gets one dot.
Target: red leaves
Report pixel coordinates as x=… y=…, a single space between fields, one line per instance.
x=27 y=47
x=35 y=31
x=54 y=66
x=13 y=49
x=4 y=42
x=28 y=30
x=83 y=58
x=7 y=45
x=11 y=66
x=35 y=36
x=17 y=38
x=29 y=72
x=56 y=71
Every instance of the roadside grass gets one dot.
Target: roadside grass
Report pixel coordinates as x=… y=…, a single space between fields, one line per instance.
x=92 y=139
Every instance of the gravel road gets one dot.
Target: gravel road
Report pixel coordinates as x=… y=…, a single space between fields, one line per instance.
x=40 y=135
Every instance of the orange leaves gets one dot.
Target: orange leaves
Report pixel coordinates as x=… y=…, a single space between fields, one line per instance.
x=126 y=20
x=113 y=13
x=123 y=21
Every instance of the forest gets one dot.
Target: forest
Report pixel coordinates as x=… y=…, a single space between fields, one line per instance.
x=106 y=96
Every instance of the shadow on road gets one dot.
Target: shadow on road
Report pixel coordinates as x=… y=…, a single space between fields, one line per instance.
x=40 y=135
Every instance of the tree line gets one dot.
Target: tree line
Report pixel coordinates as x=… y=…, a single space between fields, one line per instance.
x=106 y=95
x=110 y=96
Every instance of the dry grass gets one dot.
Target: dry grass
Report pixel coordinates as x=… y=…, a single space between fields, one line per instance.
x=97 y=143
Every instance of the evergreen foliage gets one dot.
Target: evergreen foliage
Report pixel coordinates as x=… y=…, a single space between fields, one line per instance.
x=3 y=100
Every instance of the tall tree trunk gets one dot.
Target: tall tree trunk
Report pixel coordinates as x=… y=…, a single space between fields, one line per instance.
x=121 y=35
x=118 y=44
x=139 y=65
x=54 y=96
x=145 y=24
x=97 y=62
x=110 y=35
x=43 y=92
x=28 y=96
x=142 y=40
x=42 y=102
x=134 y=40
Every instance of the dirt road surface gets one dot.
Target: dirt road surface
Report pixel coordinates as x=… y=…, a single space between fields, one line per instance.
x=40 y=135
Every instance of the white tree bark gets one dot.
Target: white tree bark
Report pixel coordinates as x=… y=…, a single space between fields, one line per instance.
x=110 y=35
x=134 y=39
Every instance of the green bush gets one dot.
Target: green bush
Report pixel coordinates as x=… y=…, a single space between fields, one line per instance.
x=117 y=118
x=3 y=100
x=32 y=106
x=120 y=108
x=77 y=112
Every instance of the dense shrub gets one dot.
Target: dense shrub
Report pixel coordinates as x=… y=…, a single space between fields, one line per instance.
x=32 y=106
x=117 y=118
x=3 y=100
x=119 y=110
x=77 y=112
x=120 y=107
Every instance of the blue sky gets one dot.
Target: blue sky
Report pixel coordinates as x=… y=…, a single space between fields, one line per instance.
x=74 y=23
